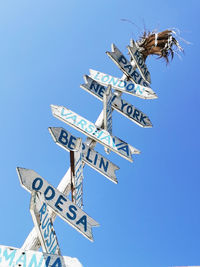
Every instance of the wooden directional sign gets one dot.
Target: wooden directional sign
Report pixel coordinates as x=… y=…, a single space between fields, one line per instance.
x=43 y=224
x=118 y=103
x=99 y=135
x=66 y=140
x=62 y=206
x=125 y=86
x=14 y=257
x=139 y=61
x=76 y=162
x=125 y=66
x=107 y=112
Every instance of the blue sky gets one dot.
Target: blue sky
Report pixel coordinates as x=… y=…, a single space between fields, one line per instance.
x=151 y=218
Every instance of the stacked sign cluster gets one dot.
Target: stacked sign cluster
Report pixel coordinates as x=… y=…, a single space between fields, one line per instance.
x=43 y=195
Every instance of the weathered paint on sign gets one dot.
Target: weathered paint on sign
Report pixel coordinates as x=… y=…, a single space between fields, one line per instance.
x=43 y=224
x=76 y=160
x=66 y=140
x=107 y=112
x=99 y=135
x=139 y=61
x=124 y=86
x=62 y=206
x=125 y=66
x=14 y=257
x=118 y=103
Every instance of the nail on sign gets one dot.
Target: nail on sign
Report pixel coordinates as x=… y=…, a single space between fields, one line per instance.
x=99 y=135
x=119 y=104
x=125 y=66
x=67 y=141
x=62 y=206
x=43 y=224
x=124 y=86
x=14 y=257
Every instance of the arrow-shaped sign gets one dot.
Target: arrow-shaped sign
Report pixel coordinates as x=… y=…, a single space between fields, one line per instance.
x=66 y=140
x=125 y=66
x=139 y=61
x=62 y=206
x=118 y=103
x=15 y=257
x=125 y=86
x=99 y=135
x=43 y=224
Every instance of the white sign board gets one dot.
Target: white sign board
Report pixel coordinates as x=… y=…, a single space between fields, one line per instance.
x=125 y=66
x=43 y=224
x=139 y=61
x=61 y=205
x=99 y=135
x=66 y=140
x=119 y=104
x=125 y=86
x=76 y=161
x=107 y=112
x=14 y=257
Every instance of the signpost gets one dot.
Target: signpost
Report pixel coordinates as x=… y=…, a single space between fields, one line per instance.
x=62 y=206
x=94 y=159
x=125 y=86
x=99 y=135
x=44 y=195
x=119 y=104
x=43 y=224
x=107 y=112
x=14 y=257
x=125 y=66
x=139 y=61
x=76 y=163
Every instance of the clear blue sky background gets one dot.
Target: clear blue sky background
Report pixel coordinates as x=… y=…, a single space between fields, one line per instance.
x=151 y=218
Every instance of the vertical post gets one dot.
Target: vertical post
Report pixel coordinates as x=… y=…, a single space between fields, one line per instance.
x=72 y=173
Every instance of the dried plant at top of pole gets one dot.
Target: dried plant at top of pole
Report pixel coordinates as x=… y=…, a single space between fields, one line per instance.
x=163 y=44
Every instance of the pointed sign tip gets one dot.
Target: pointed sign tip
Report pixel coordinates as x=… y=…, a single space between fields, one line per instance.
x=113 y=47
x=51 y=131
x=132 y=42
x=19 y=169
x=137 y=151
x=155 y=96
x=53 y=107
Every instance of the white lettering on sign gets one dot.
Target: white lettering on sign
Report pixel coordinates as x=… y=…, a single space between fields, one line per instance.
x=139 y=61
x=77 y=176
x=67 y=141
x=62 y=206
x=13 y=257
x=125 y=86
x=118 y=103
x=125 y=66
x=88 y=128
x=43 y=224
